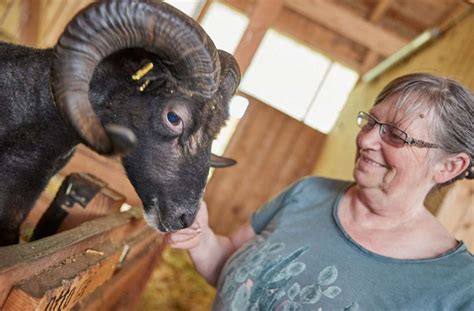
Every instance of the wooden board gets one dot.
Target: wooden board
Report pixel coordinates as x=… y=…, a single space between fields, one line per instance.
x=84 y=278
x=272 y=150
x=62 y=285
x=21 y=261
x=117 y=294
x=110 y=171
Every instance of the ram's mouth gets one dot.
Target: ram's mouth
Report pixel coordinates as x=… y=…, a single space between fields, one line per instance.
x=153 y=218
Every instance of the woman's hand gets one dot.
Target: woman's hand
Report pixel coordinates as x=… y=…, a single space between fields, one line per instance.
x=208 y=251
x=192 y=236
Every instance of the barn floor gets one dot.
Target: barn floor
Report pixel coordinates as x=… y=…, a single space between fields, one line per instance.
x=176 y=286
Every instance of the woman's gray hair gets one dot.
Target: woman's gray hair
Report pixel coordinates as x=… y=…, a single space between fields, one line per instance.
x=450 y=105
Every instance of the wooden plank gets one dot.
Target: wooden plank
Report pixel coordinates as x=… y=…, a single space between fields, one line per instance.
x=264 y=145
x=349 y=25
x=116 y=293
x=105 y=202
x=21 y=261
x=263 y=15
x=109 y=169
x=306 y=147
x=30 y=23
x=281 y=153
x=380 y=9
x=311 y=34
x=60 y=14
x=204 y=10
x=73 y=280
x=251 y=135
x=62 y=285
x=372 y=58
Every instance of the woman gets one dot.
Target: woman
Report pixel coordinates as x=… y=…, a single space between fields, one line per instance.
x=326 y=244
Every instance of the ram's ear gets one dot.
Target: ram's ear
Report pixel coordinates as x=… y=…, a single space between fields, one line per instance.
x=221 y=162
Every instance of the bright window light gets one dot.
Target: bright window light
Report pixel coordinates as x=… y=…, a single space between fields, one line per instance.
x=225 y=26
x=329 y=101
x=189 y=7
x=237 y=107
x=285 y=74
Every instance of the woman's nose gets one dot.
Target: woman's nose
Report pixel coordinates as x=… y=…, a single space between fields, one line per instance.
x=369 y=138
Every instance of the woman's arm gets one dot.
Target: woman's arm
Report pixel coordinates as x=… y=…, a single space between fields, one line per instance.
x=209 y=251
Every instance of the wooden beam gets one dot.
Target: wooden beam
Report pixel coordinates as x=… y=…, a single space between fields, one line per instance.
x=311 y=34
x=319 y=38
x=204 y=10
x=372 y=58
x=263 y=15
x=380 y=9
x=58 y=16
x=30 y=21
x=349 y=25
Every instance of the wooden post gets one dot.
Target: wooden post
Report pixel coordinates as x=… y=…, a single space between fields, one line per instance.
x=263 y=15
x=30 y=22
x=203 y=11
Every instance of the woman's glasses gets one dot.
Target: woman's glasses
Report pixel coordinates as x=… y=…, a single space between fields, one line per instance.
x=389 y=133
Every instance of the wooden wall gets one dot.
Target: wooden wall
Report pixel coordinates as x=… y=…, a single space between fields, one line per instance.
x=37 y=23
x=272 y=151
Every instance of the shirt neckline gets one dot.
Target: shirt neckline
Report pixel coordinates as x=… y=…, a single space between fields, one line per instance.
x=459 y=248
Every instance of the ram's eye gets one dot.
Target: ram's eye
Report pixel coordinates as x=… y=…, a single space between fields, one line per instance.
x=173 y=118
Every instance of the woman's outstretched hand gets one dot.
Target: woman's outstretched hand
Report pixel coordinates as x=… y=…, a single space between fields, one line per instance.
x=192 y=236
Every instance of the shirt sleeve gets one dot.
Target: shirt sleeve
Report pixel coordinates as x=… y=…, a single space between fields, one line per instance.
x=262 y=216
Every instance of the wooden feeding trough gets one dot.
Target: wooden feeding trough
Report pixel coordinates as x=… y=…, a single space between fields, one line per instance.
x=99 y=256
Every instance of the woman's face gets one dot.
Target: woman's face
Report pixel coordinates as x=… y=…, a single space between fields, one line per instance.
x=390 y=169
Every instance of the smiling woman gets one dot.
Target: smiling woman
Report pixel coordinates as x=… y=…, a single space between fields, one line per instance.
x=339 y=245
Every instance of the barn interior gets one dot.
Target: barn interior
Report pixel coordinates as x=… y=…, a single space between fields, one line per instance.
x=308 y=67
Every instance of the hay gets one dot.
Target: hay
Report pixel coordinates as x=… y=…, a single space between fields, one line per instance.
x=176 y=286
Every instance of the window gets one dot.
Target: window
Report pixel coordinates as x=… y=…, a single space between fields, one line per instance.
x=225 y=26
x=237 y=107
x=298 y=81
x=189 y=7
x=329 y=100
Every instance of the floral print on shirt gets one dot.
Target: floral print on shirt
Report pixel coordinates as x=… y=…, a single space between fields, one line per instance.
x=260 y=278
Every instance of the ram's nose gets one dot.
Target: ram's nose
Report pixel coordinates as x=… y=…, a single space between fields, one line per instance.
x=186 y=220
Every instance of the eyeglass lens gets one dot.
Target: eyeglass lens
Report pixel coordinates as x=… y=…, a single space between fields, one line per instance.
x=388 y=133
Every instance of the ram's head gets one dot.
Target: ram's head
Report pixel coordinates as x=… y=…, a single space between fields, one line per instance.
x=141 y=79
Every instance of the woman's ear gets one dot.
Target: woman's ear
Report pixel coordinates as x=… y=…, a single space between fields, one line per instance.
x=451 y=166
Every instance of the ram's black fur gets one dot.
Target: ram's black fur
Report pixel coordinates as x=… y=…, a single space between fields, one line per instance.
x=168 y=170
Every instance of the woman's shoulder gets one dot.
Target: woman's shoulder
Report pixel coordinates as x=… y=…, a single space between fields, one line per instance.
x=315 y=183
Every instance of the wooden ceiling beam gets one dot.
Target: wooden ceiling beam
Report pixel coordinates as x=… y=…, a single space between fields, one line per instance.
x=30 y=22
x=263 y=15
x=349 y=25
x=309 y=33
x=203 y=11
x=380 y=9
x=319 y=38
x=372 y=58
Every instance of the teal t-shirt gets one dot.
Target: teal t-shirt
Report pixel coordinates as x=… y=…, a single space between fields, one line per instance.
x=302 y=259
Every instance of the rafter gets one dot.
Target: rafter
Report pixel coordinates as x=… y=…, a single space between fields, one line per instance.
x=349 y=25
x=309 y=33
x=263 y=15
x=371 y=58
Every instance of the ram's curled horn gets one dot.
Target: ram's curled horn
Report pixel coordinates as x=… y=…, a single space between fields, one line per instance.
x=109 y=26
x=228 y=83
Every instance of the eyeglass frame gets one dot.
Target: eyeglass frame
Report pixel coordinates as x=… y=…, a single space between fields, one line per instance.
x=408 y=139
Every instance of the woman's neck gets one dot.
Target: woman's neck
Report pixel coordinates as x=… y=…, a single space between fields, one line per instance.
x=403 y=230
x=375 y=209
